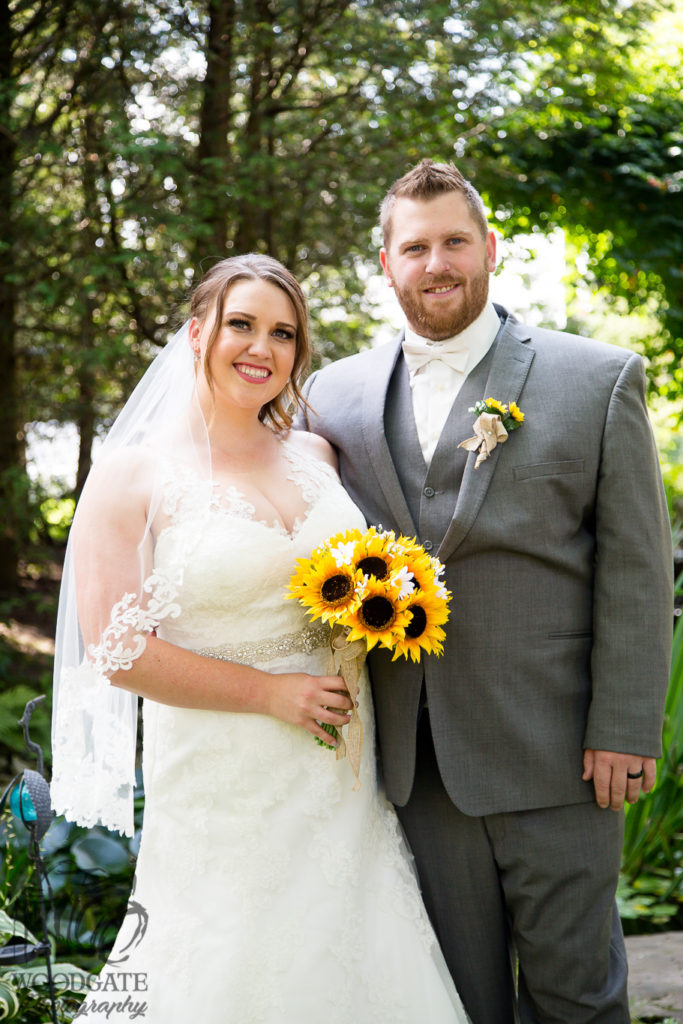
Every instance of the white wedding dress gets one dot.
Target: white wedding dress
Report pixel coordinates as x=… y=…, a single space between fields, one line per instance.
x=267 y=890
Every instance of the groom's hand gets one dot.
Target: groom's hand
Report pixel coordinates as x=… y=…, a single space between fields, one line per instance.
x=610 y=774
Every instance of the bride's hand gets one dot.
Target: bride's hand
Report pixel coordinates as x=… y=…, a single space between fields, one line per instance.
x=306 y=700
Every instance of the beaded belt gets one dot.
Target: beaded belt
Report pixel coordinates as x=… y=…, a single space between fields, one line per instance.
x=304 y=641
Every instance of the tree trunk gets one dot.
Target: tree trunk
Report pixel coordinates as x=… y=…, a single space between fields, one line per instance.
x=10 y=467
x=85 y=370
x=214 y=144
x=87 y=392
x=250 y=218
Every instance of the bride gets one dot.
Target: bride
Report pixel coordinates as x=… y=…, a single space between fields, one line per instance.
x=267 y=891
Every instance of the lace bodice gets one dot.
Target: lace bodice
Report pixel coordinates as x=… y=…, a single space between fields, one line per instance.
x=225 y=562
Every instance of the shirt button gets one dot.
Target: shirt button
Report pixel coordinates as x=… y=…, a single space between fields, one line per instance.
x=427 y=545
x=428 y=492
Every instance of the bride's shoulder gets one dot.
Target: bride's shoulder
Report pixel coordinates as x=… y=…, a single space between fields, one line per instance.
x=130 y=465
x=119 y=479
x=313 y=445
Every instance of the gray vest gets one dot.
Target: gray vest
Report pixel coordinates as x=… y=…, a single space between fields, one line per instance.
x=431 y=494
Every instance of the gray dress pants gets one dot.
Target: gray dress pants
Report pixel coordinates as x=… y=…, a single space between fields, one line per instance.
x=533 y=889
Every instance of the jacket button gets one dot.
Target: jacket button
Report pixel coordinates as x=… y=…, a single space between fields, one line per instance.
x=427 y=545
x=428 y=492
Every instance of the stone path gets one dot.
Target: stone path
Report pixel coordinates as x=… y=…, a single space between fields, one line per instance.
x=655 y=964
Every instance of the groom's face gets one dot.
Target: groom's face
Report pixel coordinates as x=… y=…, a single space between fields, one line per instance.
x=438 y=263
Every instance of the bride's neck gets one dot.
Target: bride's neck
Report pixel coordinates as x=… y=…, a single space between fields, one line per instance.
x=238 y=435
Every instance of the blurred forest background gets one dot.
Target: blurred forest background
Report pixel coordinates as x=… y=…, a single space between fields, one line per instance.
x=140 y=142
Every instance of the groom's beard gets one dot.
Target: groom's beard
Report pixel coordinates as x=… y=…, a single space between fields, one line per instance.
x=467 y=304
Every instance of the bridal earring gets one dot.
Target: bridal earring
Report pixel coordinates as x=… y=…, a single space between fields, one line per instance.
x=196 y=356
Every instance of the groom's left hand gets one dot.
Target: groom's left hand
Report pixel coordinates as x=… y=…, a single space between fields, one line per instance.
x=610 y=774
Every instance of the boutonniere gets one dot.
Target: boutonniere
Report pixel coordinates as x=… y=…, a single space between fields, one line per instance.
x=493 y=424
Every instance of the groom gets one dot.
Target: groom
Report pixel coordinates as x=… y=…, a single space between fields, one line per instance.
x=510 y=757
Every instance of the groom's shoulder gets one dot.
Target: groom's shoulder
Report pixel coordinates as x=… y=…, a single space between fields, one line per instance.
x=356 y=367
x=556 y=348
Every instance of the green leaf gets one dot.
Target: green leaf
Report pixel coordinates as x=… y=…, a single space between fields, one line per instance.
x=10 y=927
x=100 y=853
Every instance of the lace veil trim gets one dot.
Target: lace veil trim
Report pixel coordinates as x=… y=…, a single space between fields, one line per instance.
x=116 y=599
x=95 y=723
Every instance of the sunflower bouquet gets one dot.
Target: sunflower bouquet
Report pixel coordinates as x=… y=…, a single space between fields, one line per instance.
x=373 y=588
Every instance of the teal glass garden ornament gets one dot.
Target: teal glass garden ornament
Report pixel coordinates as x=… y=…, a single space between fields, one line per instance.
x=21 y=804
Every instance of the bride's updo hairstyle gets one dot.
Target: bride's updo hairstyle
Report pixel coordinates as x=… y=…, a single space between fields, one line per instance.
x=210 y=295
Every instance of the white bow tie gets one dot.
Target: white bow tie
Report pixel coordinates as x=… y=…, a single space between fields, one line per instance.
x=418 y=353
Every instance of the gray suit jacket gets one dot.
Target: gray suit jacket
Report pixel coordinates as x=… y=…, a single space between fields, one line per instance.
x=557 y=552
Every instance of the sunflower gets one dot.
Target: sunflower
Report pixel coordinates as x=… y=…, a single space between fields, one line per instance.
x=378 y=616
x=511 y=417
x=327 y=589
x=496 y=406
x=516 y=413
x=375 y=554
x=423 y=567
x=427 y=611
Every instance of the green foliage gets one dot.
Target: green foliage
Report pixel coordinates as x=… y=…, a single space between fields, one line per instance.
x=12 y=703
x=652 y=863
x=20 y=508
x=30 y=995
x=645 y=904
x=57 y=514
x=91 y=875
x=25 y=988
x=597 y=152
x=671 y=458
x=145 y=141
x=655 y=1020
x=321 y=105
x=24 y=677
x=90 y=872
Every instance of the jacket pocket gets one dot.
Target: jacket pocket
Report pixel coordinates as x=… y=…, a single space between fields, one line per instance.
x=572 y=634
x=548 y=469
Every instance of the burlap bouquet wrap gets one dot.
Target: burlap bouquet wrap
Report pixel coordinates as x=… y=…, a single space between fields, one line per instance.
x=347 y=658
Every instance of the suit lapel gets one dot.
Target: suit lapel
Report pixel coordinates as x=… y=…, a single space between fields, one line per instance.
x=509 y=370
x=372 y=419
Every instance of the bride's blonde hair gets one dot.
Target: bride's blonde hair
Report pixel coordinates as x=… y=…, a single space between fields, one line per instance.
x=211 y=293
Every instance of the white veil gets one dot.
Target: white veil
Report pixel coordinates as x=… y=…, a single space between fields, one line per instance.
x=111 y=598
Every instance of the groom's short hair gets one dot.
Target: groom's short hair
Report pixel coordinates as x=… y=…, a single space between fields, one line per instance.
x=427 y=180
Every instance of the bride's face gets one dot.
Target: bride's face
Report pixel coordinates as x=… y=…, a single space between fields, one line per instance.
x=253 y=354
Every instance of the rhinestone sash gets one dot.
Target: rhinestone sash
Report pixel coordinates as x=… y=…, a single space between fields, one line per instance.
x=303 y=641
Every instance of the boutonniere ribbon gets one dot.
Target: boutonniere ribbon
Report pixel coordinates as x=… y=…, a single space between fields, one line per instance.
x=491 y=427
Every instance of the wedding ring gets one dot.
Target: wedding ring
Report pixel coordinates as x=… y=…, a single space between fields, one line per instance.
x=635 y=775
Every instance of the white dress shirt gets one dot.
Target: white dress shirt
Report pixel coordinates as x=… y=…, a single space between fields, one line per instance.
x=434 y=382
